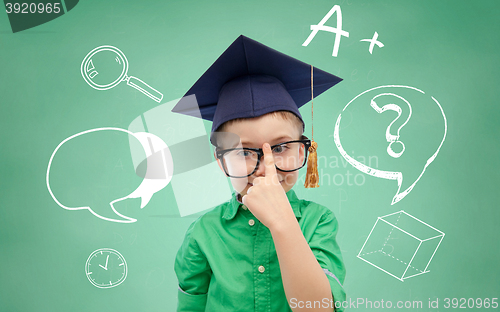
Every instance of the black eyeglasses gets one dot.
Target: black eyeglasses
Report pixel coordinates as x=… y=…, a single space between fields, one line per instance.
x=243 y=162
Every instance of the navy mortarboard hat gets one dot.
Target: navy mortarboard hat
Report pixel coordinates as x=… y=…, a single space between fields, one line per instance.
x=249 y=80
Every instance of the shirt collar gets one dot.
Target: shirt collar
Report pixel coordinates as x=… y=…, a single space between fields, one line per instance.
x=233 y=205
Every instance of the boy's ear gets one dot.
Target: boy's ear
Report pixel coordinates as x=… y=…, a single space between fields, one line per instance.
x=218 y=161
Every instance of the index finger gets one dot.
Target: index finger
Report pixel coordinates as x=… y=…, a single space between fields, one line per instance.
x=269 y=160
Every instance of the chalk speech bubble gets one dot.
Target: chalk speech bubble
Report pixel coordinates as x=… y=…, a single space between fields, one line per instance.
x=370 y=97
x=195 y=169
x=157 y=171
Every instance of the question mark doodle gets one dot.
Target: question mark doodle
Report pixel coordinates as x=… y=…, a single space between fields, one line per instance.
x=391 y=138
x=421 y=100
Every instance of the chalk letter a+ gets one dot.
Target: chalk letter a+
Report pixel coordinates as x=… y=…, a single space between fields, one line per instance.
x=321 y=26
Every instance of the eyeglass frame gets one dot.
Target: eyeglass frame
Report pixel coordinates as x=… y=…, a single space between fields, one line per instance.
x=219 y=154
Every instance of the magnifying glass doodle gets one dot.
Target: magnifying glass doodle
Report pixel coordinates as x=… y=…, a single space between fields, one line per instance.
x=106 y=66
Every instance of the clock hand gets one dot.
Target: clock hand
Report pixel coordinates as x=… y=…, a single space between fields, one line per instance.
x=106 y=266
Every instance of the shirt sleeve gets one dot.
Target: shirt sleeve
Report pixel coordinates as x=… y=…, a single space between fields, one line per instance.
x=193 y=273
x=326 y=250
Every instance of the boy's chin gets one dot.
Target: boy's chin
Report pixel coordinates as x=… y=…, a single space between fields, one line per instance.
x=242 y=190
x=240 y=185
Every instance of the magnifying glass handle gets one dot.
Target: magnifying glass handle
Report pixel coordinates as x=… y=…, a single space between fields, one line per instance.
x=145 y=88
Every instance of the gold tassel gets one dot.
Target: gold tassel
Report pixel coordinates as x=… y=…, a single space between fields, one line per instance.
x=312 y=176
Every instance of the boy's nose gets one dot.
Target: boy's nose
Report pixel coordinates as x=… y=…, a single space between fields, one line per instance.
x=261 y=170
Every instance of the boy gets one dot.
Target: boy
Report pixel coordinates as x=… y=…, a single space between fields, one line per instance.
x=264 y=250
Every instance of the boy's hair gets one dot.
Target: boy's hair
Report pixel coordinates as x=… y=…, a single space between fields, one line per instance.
x=285 y=115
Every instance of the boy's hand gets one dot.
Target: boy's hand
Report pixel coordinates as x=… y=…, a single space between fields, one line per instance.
x=266 y=199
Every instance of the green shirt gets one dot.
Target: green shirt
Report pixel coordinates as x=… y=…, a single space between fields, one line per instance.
x=228 y=261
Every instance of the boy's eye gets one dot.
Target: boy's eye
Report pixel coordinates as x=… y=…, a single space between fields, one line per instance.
x=280 y=149
x=245 y=153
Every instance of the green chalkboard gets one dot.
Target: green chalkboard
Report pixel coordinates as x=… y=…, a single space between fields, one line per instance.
x=407 y=146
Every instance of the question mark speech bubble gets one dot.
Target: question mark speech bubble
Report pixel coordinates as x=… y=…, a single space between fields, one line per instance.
x=369 y=98
x=158 y=174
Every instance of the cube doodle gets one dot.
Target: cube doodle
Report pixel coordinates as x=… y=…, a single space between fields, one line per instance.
x=401 y=245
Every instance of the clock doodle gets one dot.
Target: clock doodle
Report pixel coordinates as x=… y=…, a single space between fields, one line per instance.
x=106 y=268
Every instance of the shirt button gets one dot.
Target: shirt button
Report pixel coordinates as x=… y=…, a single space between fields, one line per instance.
x=262 y=269
x=251 y=222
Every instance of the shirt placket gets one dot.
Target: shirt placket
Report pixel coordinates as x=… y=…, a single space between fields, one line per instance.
x=261 y=268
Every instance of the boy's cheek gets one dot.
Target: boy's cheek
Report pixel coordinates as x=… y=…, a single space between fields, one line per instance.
x=239 y=184
x=289 y=180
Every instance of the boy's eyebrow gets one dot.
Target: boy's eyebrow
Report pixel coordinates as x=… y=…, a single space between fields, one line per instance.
x=246 y=143
x=281 y=139
x=277 y=140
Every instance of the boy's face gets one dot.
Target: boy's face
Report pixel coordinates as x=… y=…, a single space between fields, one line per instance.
x=253 y=133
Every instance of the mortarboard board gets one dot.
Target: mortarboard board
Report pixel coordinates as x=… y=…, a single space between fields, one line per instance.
x=249 y=80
